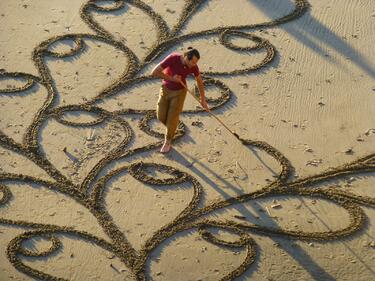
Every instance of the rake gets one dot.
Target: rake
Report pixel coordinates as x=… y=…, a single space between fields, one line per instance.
x=209 y=112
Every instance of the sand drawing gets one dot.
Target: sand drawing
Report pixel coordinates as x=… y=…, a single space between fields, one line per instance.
x=90 y=192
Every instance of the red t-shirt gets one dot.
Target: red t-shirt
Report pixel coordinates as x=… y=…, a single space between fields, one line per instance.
x=173 y=65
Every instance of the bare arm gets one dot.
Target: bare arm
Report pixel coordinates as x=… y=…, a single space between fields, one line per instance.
x=200 y=87
x=158 y=72
x=201 y=92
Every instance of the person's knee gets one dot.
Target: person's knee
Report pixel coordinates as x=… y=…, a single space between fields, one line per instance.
x=161 y=114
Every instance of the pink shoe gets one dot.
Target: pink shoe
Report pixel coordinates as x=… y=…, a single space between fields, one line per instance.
x=166 y=148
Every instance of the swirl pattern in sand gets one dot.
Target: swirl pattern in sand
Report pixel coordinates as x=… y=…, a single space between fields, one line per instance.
x=90 y=192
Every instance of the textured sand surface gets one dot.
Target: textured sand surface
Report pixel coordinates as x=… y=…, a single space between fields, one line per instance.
x=313 y=101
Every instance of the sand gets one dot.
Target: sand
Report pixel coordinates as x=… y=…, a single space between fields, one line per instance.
x=292 y=199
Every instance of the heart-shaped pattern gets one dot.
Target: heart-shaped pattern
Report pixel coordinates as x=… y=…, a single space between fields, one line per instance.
x=138 y=228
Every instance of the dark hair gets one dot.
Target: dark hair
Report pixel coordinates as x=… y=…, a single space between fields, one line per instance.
x=191 y=52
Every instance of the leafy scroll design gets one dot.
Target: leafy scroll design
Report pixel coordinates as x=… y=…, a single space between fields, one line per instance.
x=91 y=191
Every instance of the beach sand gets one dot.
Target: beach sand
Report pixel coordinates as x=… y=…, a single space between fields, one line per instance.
x=306 y=96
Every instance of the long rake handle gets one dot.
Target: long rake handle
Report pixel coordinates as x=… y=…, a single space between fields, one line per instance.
x=213 y=115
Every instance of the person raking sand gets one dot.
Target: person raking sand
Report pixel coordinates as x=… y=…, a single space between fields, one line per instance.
x=173 y=70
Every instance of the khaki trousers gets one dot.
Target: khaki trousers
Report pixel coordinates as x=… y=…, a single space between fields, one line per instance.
x=169 y=107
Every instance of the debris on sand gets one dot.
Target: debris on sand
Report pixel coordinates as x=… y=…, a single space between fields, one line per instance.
x=308 y=148
x=244 y=85
x=240 y=217
x=276 y=206
x=90 y=135
x=351 y=179
x=314 y=162
x=240 y=172
x=198 y=124
x=111 y=265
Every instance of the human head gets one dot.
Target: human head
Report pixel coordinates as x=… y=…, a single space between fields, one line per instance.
x=191 y=57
